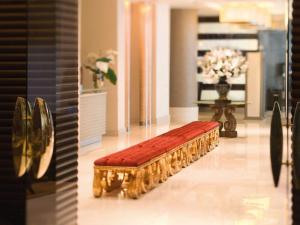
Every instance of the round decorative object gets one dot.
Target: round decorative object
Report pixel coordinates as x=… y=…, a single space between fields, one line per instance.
x=42 y=138
x=222 y=88
x=276 y=143
x=22 y=155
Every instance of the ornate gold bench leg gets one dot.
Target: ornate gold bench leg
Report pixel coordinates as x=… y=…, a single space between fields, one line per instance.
x=176 y=161
x=198 y=148
x=209 y=141
x=112 y=181
x=191 y=152
x=179 y=158
x=149 y=177
x=206 y=143
x=184 y=157
x=214 y=139
x=97 y=183
x=201 y=152
x=135 y=185
x=190 y=149
x=194 y=152
x=170 y=170
x=217 y=137
x=163 y=170
x=156 y=173
x=201 y=146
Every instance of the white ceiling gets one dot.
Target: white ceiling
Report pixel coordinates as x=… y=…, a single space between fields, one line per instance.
x=211 y=7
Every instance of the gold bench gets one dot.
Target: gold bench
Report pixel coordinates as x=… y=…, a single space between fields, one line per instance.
x=140 y=168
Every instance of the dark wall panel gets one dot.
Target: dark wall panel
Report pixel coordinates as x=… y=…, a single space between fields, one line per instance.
x=66 y=111
x=295 y=95
x=13 y=83
x=38 y=58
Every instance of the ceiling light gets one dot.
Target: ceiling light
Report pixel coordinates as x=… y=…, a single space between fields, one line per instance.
x=247 y=12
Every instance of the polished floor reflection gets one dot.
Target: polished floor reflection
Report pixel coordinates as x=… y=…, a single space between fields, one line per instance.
x=230 y=186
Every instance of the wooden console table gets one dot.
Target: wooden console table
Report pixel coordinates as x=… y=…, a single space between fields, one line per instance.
x=226 y=108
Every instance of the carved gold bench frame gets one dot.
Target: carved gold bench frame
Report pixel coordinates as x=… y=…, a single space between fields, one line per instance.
x=134 y=181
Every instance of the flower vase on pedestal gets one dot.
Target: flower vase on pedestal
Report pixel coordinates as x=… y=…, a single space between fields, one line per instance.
x=223 y=88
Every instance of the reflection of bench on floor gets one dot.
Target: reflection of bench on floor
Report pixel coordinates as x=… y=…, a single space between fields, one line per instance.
x=140 y=168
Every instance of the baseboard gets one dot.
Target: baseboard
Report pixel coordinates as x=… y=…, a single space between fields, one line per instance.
x=89 y=148
x=184 y=114
x=90 y=141
x=115 y=132
x=163 y=120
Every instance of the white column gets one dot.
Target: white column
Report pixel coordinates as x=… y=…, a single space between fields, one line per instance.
x=184 y=30
x=162 y=64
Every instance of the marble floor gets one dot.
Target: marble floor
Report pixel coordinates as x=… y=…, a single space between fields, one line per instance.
x=232 y=185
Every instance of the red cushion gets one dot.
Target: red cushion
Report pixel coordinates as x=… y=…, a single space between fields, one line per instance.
x=133 y=156
x=165 y=142
x=207 y=126
x=193 y=134
x=154 y=147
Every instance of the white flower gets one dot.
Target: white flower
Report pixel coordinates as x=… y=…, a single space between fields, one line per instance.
x=218 y=66
x=235 y=62
x=220 y=73
x=228 y=52
x=221 y=62
x=236 y=72
x=228 y=74
x=102 y=66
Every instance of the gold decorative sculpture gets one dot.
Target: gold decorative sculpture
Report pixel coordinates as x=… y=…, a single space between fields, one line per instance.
x=33 y=137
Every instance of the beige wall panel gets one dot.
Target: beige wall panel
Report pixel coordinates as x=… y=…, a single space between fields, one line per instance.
x=254 y=95
x=101 y=31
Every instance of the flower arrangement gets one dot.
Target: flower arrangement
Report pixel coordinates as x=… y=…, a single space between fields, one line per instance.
x=100 y=67
x=222 y=64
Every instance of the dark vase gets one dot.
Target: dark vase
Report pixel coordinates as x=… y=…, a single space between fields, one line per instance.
x=223 y=88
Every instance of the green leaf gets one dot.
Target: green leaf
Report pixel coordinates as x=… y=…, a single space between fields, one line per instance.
x=103 y=59
x=111 y=76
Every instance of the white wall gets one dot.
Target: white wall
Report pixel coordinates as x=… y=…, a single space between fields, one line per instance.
x=255 y=81
x=162 y=70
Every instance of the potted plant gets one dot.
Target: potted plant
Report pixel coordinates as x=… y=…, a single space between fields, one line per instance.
x=220 y=66
x=100 y=68
x=93 y=103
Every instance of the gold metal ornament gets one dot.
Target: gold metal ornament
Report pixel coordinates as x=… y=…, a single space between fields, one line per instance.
x=42 y=138
x=21 y=126
x=32 y=137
